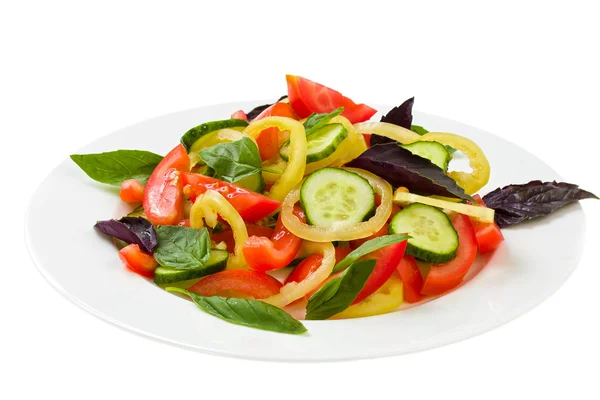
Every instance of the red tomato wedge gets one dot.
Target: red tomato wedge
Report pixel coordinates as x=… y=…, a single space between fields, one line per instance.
x=268 y=139
x=264 y=254
x=489 y=236
x=253 y=230
x=250 y=205
x=163 y=196
x=412 y=280
x=239 y=114
x=256 y=284
x=307 y=97
x=277 y=110
x=132 y=191
x=138 y=261
x=311 y=263
x=443 y=277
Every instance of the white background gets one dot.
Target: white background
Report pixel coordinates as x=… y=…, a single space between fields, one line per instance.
x=71 y=72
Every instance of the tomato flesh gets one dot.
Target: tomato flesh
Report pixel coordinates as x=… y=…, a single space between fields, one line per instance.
x=132 y=191
x=268 y=139
x=252 y=283
x=251 y=206
x=312 y=263
x=412 y=280
x=138 y=261
x=239 y=114
x=443 y=277
x=307 y=97
x=163 y=195
x=266 y=254
x=253 y=230
x=488 y=235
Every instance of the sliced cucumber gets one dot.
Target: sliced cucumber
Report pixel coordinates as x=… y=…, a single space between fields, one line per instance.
x=215 y=263
x=433 y=151
x=332 y=196
x=434 y=239
x=479 y=213
x=320 y=143
x=191 y=136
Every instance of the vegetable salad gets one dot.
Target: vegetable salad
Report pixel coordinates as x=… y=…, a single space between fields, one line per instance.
x=357 y=215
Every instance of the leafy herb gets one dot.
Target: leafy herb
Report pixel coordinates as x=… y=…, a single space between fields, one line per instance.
x=135 y=230
x=252 y=313
x=400 y=167
x=181 y=247
x=338 y=294
x=114 y=167
x=517 y=203
x=316 y=121
x=233 y=161
x=418 y=130
x=255 y=112
x=368 y=247
x=401 y=115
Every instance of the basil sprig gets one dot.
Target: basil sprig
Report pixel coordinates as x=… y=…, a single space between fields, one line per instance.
x=252 y=313
x=338 y=293
x=181 y=247
x=114 y=167
x=368 y=247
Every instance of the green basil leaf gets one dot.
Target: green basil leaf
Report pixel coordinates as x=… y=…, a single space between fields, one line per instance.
x=251 y=313
x=369 y=247
x=114 y=167
x=338 y=294
x=181 y=247
x=316 y=121
x=233 y=161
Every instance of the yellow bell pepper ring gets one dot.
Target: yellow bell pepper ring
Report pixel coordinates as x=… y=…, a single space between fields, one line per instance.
x=294 y=169
x=388 y=130
x=207 y=208
x=472 y=181
x=293 y=291
x=340 y=231
x=386 y=299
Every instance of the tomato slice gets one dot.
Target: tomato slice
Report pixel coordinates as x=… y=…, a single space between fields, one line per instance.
x=250 y=205
x=253 y=230
x=412 y=280
x=132 y=191
x=256 y=284
x=443 y=277
x=239 y=114
x=163 y=196
x=268 y=139
x=264 y=254
x=488 y=235
x=138 y=261
x=277 y=110
x=311 y=263
x=307 y=97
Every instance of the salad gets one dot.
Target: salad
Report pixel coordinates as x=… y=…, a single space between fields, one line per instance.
x=308 y=208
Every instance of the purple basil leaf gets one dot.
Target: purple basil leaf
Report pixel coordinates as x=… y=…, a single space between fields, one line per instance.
x=400 y=167
x=257 y=110
x=517 y=203
x=400 y=115
x=135 y=230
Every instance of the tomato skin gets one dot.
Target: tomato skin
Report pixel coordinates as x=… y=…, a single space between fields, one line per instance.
x=253 y=230
x=307 y=97
x=412 y=280
x=252 y=283
x=311 y=263
x=488 y=235
x=163 y=195
x=387 y=259
x=277 y=110
x=239 y=114
x=367 y=137
x=443 y=277
x=138 y=261
x=250 y=205
x=354 y=244
x=132 y=191
x=264 y=254
x=268 y=143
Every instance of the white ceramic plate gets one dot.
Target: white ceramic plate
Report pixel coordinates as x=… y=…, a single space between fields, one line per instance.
x=82 y=264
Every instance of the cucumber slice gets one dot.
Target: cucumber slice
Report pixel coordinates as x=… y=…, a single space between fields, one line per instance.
x=320 y=143
x=433 y=151
x=333 y=196
x=215 y=263
x=434 y=239
x=188 y=138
